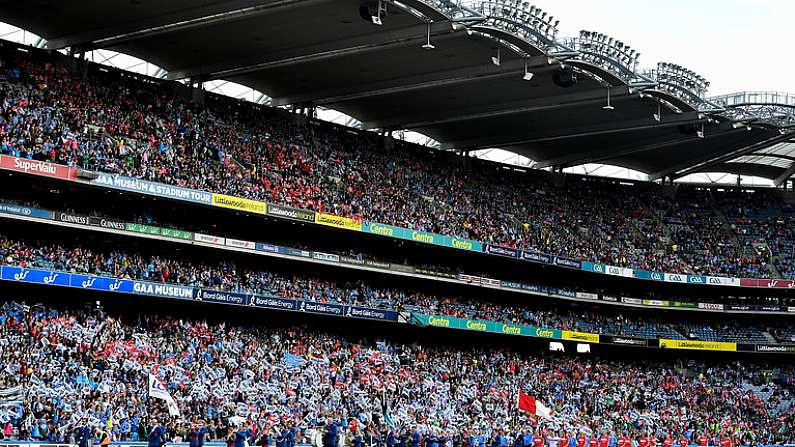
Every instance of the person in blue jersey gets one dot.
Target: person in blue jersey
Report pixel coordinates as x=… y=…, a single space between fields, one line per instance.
x=83 y=434
x=196 y=435
x=403 y=440
x=442 y=438
x=414 y=440
x=358 y=439
x=429 y=440
x=331 y=434
x=157 y=435
x=242 y=435
x=518 y=441
x=391 y=439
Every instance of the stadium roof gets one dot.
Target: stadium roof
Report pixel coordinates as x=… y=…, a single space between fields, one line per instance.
x=471 y=75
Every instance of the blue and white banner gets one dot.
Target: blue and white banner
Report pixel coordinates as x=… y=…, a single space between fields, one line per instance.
x=272 y=302
x=259 y=246
x=696 y=279
x=101 y=283
x=151 y=188
x=163 y=290
x=501 y=251
x=320 y=308
x=25 y=211
x=219 y=296
x=532 y=256
x=46 y=277
x=567 y=262
x=370 y=313
x=675 y=277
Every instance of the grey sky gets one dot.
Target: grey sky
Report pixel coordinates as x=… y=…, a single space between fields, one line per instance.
x=736 y=44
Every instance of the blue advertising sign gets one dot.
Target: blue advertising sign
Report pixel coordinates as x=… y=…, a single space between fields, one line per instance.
x=500 y=250
x=370 y=313
x=35 y=276
x=567 y=262
x=219 y=296
x=101 y=283
x=272 y=302
x=152 y=188
x=536 y=257
x=645 y=274
x=25 y=211
x=266 y=247
x=320 y=308
x=163 y=290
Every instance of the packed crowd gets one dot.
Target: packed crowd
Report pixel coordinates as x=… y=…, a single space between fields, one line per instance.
x=114 y=123
x=230 y=276
x=82 y=368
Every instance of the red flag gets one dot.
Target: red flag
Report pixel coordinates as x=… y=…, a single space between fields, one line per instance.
x=530 y=405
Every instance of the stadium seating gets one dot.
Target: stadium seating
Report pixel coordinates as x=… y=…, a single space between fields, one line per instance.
x=64 y=367
x=119 y=124
x=227 y=275
x=81 y=367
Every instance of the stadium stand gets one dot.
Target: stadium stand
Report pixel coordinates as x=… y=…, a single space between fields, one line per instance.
x=89 y=257
x=86 y=366
x=84 y=375
x=117 y=124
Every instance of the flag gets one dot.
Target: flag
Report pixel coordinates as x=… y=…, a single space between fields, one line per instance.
x=389 y=420
x=11 y=397
x=157 y=390
x=530 y=405
x=292 y=361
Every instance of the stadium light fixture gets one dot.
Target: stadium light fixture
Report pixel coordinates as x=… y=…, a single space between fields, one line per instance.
x=428 y=45
x=527 y=74
x=496 y=60
x=377 y=17
x=608 y=106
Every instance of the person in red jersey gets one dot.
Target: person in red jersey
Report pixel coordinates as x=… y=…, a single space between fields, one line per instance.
x=604 y=440
x=652 y=441
x=538 y=440
x=668 y=441
x=703 y=441
x=644 y=441
x=582 y=440
x=726 y=441
x=684 y=442
x=564 y=440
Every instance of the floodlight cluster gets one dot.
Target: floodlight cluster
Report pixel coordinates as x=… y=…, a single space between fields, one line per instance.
x=676 y=78
x=606 y=51
x=517 y=14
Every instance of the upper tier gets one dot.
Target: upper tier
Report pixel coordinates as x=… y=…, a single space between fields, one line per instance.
x=116 y=123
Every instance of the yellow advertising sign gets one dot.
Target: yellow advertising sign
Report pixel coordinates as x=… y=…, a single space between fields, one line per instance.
x=237 y=203
x=698 y=345
x=581 y=336
x=338 y=221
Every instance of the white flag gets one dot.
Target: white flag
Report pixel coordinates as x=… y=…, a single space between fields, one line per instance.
x=156 y=389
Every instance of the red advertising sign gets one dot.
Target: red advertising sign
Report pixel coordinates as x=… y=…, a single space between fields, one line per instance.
x=747 y=282
x=37 y=167
x=776 y=283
